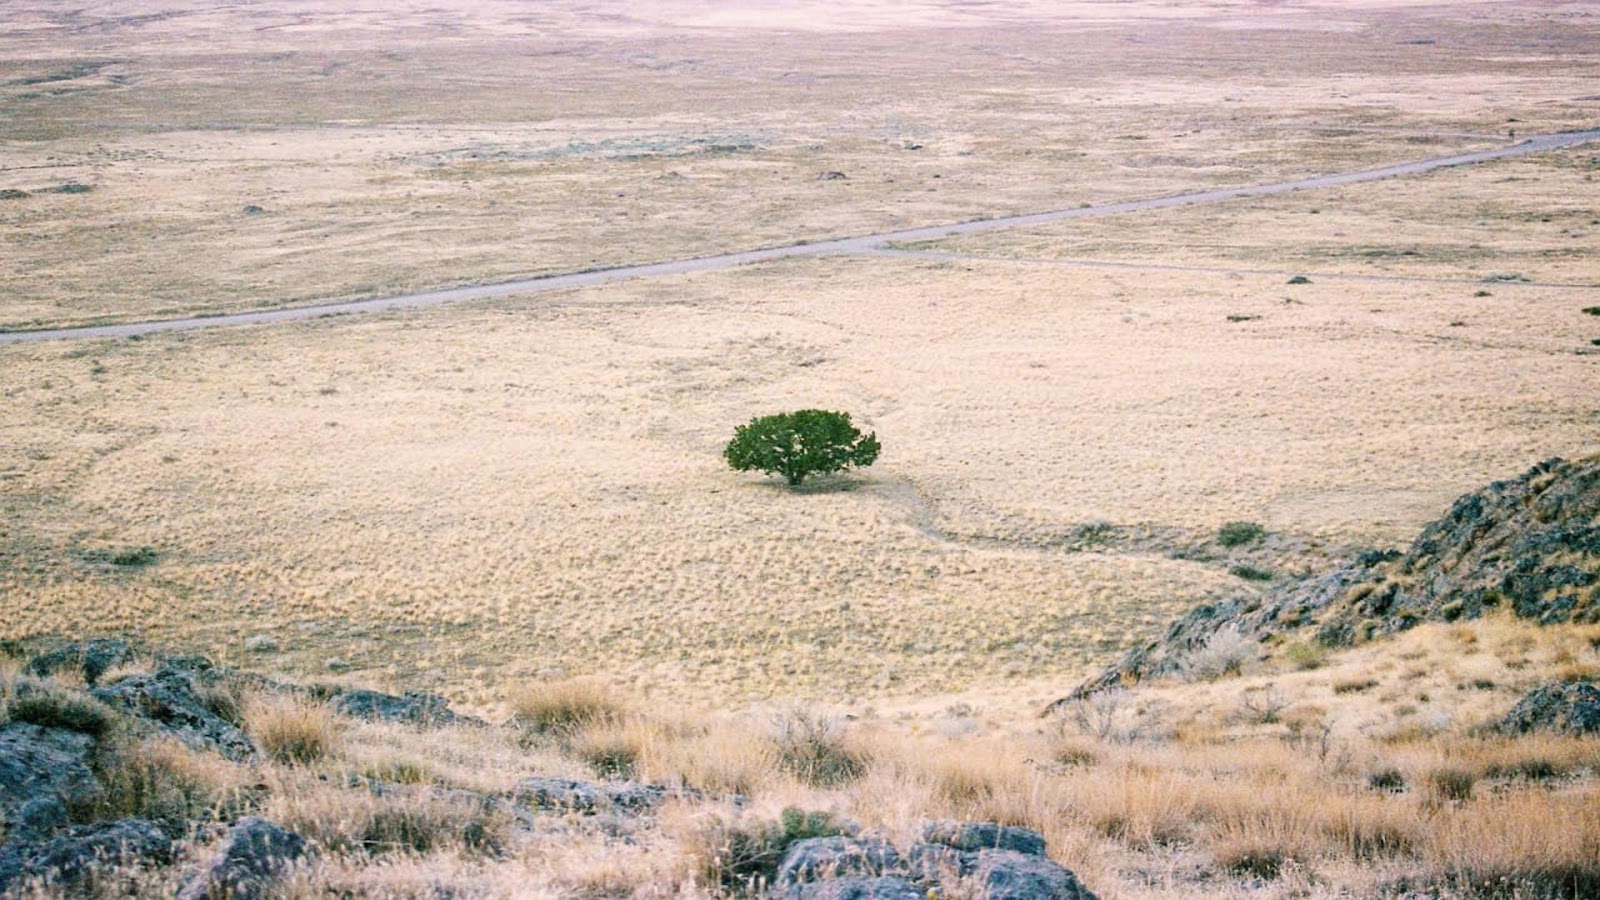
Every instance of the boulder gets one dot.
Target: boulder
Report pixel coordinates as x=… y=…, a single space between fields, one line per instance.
x=64 y=862
x=253 y=854
x=44 y=764
x=1558 y=707
x=937 y=863
x=168 y=700
x=92 y=658
x=1009 y=875
x=415 y=707
x=828 y=858
x=973 y=836
x=588 y=796
x=882 y=888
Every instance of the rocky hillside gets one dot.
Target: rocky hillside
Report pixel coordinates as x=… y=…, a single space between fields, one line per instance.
x=1530 y=544
x=152 y=778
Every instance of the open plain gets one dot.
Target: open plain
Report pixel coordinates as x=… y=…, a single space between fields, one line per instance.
x=479 y=496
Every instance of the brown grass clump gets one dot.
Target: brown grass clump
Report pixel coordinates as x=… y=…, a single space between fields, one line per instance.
x=162 y=779
x=565 y=706
x=291 y=729
x=814 y=748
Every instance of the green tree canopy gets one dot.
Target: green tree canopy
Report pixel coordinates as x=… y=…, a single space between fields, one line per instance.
x=801 y=443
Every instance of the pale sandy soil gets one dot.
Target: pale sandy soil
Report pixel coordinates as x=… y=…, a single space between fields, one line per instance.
x=538 y=484
x=1531 y=219
x=471 y=495
x=420 y=145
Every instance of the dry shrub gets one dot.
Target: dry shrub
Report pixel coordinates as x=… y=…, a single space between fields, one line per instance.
x=418 y=820
x=1450 y=785
x=48 y=706
x=1225 y=653
x=291 y=729
x=614 y=746
x=723 y=758
x=1259 y=846
x=562 y=707
x=164 y=780
x=1139 y=806
x=813 y=748
x=1528 y=843
x=742 y=853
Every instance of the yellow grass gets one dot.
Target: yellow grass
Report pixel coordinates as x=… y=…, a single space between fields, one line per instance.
x=506 y=495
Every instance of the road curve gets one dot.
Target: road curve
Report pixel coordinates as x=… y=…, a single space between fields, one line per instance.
x=864 y=244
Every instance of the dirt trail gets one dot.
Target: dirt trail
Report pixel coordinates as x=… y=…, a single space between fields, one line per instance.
x=865 y=244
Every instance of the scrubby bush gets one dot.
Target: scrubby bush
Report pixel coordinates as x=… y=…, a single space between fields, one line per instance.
x=292 y=730
x=800 y=444
x=812 y=748
x=54 y=708
x=1237 y=534
x=745 y=856
x=563 y=707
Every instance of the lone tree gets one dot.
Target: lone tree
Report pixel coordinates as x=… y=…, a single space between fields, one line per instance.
x=797 y=444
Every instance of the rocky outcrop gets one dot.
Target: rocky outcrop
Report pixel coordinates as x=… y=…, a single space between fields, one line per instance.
x=169 y=700
x=816 y=859
x=1558 y=707
x=569 y=795
x=47 y=766
x=416 y=707
x=248 y=860
x=66 y=862
x=91 y=658
x=982 y=859
x=1530 y=544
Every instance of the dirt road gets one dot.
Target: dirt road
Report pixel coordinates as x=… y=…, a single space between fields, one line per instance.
x=864 y=244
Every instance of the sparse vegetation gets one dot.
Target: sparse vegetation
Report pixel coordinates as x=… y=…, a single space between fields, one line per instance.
x=1239 y=534
x=51 y=707
x=530 y=488
x=291 y=729
x=564 y=706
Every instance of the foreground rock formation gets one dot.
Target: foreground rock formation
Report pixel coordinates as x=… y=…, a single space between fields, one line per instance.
x=1529 y=544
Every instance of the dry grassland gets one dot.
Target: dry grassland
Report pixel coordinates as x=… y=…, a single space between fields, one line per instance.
x=1505 y=223
x=1361 y=776
x=414 y=146
x=474 y=494
x=471 y=496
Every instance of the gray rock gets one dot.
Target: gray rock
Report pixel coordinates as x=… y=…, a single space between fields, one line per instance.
x=91 y=657
x=40 y=764
x=1559 y=707
x=167 y=699
x=416 y=707
x=1530 y=543
x=247 y=861
x=261 y=643
x=973 y=836
x=884 y=888
x=588 y=796
x=937 y=863
x=824 y=858
x=1009 y=875
x=38 y=819
x=64 y=862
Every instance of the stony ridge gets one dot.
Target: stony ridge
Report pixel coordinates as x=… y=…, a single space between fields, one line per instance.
x=1530 y=544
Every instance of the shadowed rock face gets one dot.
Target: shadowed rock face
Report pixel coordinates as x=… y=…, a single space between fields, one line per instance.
x=167 y=699
x=39 y=765
x=977 y=858
x=1562 y=708
x=247 y=862
x=63 y=862
x=1530 y=543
